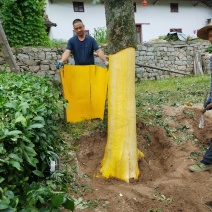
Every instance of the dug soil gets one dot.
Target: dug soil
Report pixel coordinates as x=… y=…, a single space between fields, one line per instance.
x=165 y=183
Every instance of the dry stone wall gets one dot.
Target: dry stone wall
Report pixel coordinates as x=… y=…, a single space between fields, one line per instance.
x=176 y=56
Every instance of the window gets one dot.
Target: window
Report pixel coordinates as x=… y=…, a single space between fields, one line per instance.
x=86 y=32
x=174 y=7
x=176 y=30
x=138 y=32
x=134 y=5
x=78 y=6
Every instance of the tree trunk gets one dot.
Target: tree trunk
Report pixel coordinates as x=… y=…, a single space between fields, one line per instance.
x=121 y=154
x=120 y=25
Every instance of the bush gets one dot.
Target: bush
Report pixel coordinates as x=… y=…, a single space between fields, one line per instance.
x=31 y=110
x=23 y=22
x=209 y=49
x=58 y=43
x=101 y=35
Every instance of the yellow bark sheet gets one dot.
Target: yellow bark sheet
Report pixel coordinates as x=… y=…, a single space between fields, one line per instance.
x=85 y=88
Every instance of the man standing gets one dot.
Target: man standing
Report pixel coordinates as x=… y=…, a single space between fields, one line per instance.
x=206 y=163
x=82 y=47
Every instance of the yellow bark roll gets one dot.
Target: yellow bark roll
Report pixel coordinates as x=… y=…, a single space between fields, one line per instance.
x=85 y=88
x=121 y=153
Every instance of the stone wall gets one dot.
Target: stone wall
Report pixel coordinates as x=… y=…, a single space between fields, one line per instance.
x=176 y=56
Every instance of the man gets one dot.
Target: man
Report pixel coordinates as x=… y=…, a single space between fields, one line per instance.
x=206 y=163
x=82 y=47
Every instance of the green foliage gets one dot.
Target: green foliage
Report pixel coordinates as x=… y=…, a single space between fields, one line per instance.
x=209 y=49
x=23 y=22
x=101 y=35
x=47 y=195
x=58 y=43
x=194 y=155
x=31 y=113
x=155 y=210
x=163 y=198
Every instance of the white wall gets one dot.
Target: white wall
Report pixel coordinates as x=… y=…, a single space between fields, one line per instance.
x=62 y=13
x=189 y=18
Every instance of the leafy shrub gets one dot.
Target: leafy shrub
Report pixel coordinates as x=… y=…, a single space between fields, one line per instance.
x=23 y=22
x=101 y=35
x=209 y=49
x=30 y=112
x=58 y=42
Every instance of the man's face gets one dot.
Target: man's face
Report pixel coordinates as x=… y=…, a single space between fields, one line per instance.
x=210 y=35
x=79 y=28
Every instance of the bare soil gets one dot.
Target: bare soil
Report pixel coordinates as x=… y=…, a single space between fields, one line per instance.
x=165 y=182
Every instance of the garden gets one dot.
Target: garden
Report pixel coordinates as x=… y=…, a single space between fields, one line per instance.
x=33 y=127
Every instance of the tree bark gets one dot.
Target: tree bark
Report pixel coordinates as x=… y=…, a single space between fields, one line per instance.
x=120 y=25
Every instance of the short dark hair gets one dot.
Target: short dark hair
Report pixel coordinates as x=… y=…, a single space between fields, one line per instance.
x=76 y=21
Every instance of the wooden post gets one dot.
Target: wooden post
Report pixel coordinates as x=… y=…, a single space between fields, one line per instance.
x=7 y=51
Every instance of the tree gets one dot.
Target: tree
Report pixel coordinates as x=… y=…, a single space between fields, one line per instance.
x=23 y=22
x=121 y=153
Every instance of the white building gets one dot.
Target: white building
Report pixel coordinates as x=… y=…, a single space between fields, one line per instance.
x=158 y=18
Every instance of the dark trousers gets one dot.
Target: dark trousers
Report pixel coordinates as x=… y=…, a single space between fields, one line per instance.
x=208 y=155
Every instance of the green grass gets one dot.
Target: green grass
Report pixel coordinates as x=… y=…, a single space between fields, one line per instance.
x=175 y=92
x=172 y=91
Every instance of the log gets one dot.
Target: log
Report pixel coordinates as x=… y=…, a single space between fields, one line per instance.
x=162 y=69
x=7 y=51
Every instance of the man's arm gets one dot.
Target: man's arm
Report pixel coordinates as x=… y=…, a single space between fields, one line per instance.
x=64 y=58
x=101 y=55
x=65 y=55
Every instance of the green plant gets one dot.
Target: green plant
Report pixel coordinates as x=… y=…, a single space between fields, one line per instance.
x=209 y=49
x=47 y=195
x=57 y=43
x=23 y=22
x=191 y=114
x=163 y=198
x=194 y=155
x=155 y=210
x=80 y=204
x=31 y=114
x=101 y=35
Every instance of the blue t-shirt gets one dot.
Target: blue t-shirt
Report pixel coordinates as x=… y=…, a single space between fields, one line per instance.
x=83 y=50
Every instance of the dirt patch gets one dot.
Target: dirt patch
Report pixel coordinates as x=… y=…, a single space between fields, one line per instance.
x=165 y=182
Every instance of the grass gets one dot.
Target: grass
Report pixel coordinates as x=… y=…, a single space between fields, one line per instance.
x=173 y=91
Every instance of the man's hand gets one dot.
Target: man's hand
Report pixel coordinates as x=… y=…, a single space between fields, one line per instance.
x=106 y=63
x=59 y=64
x=208 y=105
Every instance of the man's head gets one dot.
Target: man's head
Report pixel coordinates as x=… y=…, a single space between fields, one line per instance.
x=79 y=27
x=205 y=33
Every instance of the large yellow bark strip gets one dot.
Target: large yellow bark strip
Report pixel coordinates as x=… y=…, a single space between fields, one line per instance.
x=85 y=88
x=121 y=154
